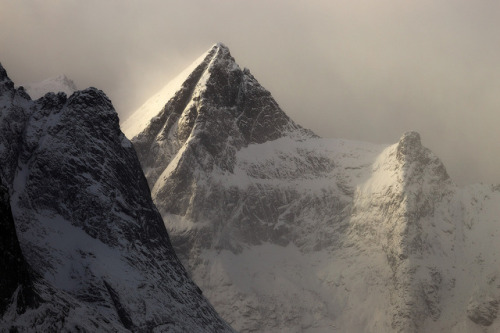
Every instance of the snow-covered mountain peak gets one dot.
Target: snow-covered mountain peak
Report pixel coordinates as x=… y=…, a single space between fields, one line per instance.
x=97 y=254
x=221 y=50
x=418 y=161
x=90 y=97
x=216 y=80
x=409 y=146
x=409 y=141
x=215 y=111
x=55 y=84
x=221 y=45
x=286 y=231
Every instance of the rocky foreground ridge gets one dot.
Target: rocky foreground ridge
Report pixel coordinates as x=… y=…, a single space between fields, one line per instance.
x=83 y=246
x=286 y=231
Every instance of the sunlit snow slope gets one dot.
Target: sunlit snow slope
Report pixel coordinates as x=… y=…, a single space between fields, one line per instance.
x=286 y=231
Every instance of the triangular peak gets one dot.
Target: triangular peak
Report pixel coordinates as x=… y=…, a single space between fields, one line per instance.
x=215 y=80
x=140 y=119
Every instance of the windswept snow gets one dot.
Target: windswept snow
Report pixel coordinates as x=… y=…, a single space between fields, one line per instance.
x=56 y=84
x=139 y=119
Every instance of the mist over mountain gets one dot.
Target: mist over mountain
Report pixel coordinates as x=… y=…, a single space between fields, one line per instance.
x=287 y=231
x=221 y=199
x=359 y=70
x=55 y=84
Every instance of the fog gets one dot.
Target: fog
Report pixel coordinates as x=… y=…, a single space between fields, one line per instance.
x=363 y=70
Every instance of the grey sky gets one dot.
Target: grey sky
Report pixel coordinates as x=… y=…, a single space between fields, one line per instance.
x=365 y=70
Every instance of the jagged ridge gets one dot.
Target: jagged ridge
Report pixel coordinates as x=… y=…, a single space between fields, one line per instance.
x=86 y=223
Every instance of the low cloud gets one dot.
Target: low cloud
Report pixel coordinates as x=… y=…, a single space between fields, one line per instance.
x=360 y=70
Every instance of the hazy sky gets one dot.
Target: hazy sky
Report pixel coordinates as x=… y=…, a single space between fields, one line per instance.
x=357 y=69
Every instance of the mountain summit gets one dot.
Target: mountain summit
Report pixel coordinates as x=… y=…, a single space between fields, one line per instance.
x=213 y=81
x=83 y=246
x=286 y=231
x=218 y=108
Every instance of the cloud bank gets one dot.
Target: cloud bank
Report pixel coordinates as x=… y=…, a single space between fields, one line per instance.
x=360 y=70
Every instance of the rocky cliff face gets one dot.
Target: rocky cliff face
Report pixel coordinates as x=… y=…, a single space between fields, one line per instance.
x=96 y=251
x=286 y=231
x=16 y=281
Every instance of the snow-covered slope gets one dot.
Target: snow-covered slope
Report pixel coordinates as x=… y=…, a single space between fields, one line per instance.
x=94 y=253
x=286 y=231
x=141 y=118
x=56 y=84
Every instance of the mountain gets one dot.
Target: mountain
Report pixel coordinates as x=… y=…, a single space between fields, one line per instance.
x=83 y=246
x=287 y=231
x=55 y=84
x=16 y=283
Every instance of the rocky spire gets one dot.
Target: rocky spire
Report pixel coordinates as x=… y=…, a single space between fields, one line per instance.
x=219 y=108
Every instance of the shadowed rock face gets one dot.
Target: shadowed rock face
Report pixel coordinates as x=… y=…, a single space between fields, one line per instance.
x=86 y=223
x=16 y=282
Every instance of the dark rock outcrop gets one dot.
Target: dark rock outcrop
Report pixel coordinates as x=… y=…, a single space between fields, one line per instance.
x=16 y=281
x=86 y=223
